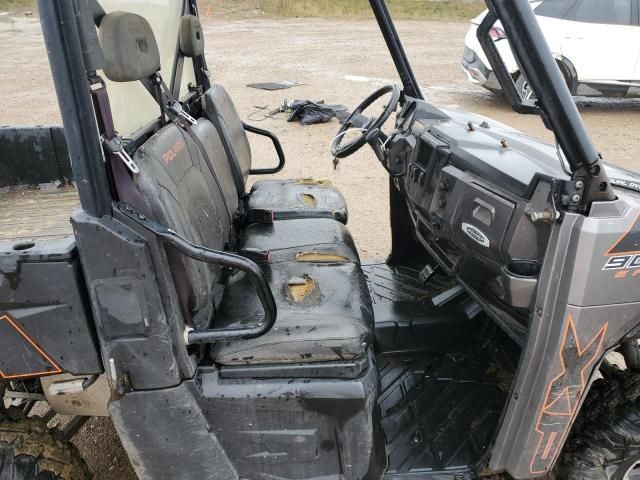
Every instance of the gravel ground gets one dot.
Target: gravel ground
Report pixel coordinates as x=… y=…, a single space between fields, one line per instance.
x=336 y=61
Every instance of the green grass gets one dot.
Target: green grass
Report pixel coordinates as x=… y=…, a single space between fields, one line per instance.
x=10 y=5
x=400 y=9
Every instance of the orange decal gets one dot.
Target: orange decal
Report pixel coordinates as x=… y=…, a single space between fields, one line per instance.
x=630 y=231
x=564 y=394
x=622 y=274
x=171 y=154
x=25 y=335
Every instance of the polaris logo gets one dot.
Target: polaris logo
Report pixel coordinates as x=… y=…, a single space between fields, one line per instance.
x=476 y=235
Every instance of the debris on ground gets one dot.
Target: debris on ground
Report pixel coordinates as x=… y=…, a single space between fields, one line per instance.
x=306 y=111
x=271 y=86
x=310 y=113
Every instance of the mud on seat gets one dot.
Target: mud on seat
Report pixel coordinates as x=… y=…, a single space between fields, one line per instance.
x=184 y=195
x=324 y=314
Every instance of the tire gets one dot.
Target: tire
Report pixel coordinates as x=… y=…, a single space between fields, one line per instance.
x=605 y=441
x=29 y=450
x=522 y=86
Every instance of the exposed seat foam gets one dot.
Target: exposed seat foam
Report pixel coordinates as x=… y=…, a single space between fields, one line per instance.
x=284 y=199
x=324 y=314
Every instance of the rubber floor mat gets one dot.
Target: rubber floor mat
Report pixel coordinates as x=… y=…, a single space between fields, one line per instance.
x=439 y=412
x=400 y=284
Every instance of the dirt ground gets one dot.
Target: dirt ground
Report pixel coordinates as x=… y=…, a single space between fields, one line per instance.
x=336 y=61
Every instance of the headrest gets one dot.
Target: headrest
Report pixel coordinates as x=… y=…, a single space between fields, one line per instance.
x=129 y=46
x=191 y=36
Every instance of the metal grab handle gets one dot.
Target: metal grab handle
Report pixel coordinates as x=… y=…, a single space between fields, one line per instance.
x=223 y=259
x=504 y=77
x=276 y=144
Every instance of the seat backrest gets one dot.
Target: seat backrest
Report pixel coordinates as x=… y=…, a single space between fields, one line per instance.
x=222 y=112
x=175 y=181
x=220 y=163
x=219 y=108
x=183 y=192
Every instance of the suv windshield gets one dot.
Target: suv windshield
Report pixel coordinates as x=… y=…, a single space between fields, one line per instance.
x=612 y=12
x=554 y=8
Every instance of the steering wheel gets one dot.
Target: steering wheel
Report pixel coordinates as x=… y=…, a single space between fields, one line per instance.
x=365 y=125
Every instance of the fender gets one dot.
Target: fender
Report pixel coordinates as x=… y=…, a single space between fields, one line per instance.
x=583 y=311
x=569 y=70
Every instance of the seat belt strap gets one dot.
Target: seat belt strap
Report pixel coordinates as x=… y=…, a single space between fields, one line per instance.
x=238 y=177
x=127 y=189
x=122 y=165
x=207 y=159
x=159 y=90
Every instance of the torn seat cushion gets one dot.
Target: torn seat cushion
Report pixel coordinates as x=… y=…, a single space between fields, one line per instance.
x=324 y=314
x=297 y=199
x=319 y=241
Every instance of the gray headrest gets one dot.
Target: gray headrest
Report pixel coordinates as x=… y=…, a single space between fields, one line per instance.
x=129 y=46
x=191 y=36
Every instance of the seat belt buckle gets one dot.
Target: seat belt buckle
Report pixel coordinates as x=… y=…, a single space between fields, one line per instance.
x=265 y=217
x=116 y=147
x=177 y=109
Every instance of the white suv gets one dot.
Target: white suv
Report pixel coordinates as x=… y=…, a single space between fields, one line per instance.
x=596 y=44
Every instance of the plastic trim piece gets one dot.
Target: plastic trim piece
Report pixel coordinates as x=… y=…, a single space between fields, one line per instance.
x=56 y=368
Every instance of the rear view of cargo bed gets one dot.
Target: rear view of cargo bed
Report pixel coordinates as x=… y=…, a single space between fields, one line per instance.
x=36 y=200
x=28 y=214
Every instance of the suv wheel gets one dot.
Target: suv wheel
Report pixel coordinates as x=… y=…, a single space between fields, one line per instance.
x=524 y=89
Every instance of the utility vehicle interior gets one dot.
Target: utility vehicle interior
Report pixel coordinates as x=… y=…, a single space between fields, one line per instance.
x=235 y=333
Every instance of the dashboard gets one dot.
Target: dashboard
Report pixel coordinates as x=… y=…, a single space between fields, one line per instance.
x=479 y=196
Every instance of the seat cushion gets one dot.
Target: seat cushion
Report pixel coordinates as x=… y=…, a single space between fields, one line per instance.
x=320 y=241
x=287 y=199
x=324 y=314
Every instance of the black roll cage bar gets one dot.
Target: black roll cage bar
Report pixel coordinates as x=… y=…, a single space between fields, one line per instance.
x=555 y=104
x=391 y=37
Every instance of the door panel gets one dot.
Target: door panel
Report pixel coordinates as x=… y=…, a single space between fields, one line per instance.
x=602 y=40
